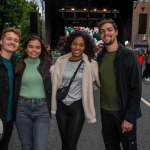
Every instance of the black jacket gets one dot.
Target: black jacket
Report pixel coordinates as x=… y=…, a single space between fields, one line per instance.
x=4 y=90
x=44 y=71
x=128 y=79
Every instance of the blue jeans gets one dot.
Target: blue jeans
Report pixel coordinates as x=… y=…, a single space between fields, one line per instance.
x=32 y=123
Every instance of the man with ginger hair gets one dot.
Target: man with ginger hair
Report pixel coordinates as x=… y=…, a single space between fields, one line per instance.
x=9 y=42
x=120 y=91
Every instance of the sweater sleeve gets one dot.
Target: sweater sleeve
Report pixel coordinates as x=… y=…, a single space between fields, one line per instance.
x=55 y=73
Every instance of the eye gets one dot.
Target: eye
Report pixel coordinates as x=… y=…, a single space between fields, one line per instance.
x=110 y=30
x=38 y=47
x=74 y=44
x=17 y=41
x=82 y=45
x=9 y=38
x=30 y=46
x=102 y=31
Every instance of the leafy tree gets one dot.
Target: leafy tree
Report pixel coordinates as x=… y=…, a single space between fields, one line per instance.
x=16 y=13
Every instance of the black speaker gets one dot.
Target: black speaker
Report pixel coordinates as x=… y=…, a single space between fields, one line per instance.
x=34 y=22
x=142 y=23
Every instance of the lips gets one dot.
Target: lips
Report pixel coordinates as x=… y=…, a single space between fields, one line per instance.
x=11 y=46
x=107 y=38
x=76 y=52
x=34 y=54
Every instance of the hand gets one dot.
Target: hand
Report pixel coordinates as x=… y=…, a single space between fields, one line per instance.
x=126 y=126
x=96 y=84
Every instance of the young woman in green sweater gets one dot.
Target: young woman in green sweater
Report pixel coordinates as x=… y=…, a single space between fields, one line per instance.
x=32 y=95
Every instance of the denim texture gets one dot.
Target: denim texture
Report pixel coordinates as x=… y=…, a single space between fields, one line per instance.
x=33 y=123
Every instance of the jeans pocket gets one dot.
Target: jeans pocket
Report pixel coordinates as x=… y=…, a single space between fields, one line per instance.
x=23 y=101
x=20 y=101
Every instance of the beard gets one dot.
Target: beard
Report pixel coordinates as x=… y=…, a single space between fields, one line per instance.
x=109 y=42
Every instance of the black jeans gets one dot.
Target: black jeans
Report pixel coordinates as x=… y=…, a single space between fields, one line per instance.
x=7 y=135
x=70 y=120
x=112 y=135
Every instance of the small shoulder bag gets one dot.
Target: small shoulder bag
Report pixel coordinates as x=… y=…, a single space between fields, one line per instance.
x=62 y=92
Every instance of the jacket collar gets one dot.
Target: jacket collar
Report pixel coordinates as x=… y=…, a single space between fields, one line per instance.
x=118 y=51
x=1 y=61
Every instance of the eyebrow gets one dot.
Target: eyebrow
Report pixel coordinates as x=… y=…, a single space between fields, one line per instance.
x=106 y=28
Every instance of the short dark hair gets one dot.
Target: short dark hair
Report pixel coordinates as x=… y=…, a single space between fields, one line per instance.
x=104 y=21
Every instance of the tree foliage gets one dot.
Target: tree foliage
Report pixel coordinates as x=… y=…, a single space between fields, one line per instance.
x=16 y=13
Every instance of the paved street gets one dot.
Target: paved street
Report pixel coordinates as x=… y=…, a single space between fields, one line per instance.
x=91 y=138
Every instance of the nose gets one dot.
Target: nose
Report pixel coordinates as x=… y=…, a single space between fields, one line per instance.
x=34 y=49
x=106 y=32
x=13 y=41
x=77 y=46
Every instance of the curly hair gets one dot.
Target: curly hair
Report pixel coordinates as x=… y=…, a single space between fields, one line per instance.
x=89 y=43
x=20 y=65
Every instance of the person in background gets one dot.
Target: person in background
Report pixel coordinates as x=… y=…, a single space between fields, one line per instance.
x=9 y=44
x=141 y=58
x=32 y=95
x=128 y=45
x=146 y=73
x=120 y=91
x=98 y=49
x=61 y=43
x=79 y=103
x=48 y=48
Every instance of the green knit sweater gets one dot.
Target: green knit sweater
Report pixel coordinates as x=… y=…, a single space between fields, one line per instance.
x=32 y=83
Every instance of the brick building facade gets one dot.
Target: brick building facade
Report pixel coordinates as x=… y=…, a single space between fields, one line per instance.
x=141 y=7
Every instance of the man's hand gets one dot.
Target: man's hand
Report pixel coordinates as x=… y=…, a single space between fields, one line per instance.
x=126 y=126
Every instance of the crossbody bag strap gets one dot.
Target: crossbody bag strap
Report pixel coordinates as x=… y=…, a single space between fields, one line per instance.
x=75 y=73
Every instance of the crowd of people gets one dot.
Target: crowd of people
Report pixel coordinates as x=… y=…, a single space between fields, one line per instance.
x=29 y=89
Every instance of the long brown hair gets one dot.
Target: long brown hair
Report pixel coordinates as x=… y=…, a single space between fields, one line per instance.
x=20 y=65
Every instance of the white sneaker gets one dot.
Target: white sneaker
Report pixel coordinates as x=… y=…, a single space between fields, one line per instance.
x=147 y=79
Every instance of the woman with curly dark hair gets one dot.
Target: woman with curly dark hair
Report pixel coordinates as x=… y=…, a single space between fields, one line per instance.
x=32 y=95
x=79 y=102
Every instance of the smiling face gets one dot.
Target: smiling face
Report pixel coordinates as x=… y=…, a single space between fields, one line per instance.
x=108 y=34
x=10 y=42
x=77 y=48
x=33 y=49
